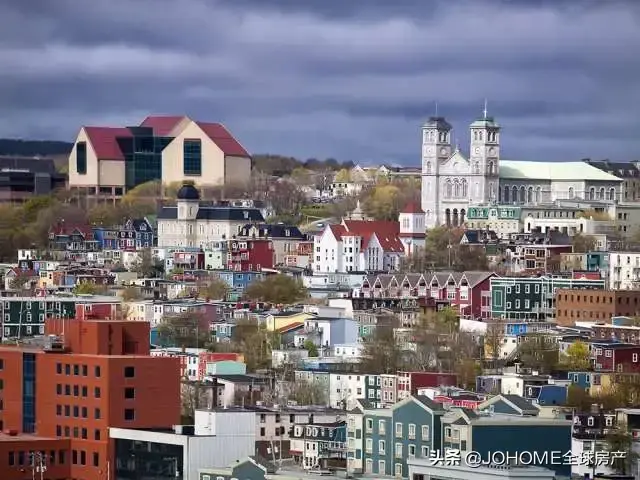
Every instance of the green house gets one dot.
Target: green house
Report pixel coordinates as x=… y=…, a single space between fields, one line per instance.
x=532 y=298
x=25 y=316
x=379 y=441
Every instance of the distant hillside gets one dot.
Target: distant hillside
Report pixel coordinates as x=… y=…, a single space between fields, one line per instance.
x=34 y=148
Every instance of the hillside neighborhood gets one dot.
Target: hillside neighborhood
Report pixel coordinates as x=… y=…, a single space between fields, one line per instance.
x=174 y=307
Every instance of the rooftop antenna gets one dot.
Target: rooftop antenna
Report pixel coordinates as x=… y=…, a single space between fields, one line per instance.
x=484 y=112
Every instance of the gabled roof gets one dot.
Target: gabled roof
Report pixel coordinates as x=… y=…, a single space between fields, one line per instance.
x=390 y=243
x=518 y=403
x=219 y=134
x=162 y=125
x=338 y=231
x=104 y=141
x=412 y=207
x=427 y=402
x=372 y=226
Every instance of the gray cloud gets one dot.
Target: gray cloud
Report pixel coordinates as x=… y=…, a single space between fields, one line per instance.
x=350 y=80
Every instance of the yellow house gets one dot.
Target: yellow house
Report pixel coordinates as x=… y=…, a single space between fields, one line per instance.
x=276 y=321
x=172 y=149
x=601 y=384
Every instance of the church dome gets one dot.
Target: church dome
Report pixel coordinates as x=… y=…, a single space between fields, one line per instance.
x=188 y=192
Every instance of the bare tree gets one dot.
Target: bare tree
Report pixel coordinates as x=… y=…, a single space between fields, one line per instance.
x=193 y=396
x=493 y=340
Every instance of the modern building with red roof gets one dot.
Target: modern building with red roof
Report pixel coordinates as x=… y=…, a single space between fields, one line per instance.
x=108 y=161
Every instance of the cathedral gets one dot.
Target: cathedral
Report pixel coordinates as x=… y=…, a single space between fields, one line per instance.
x=451 y=181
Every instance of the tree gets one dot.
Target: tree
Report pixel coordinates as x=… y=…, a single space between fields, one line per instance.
x=621 y=440
x=213 y=289
x=301 y=176
x=449 y=318
x=383 y=202
x=277 y=289
x=493 y=340
x=20 y=281
x=106 y=215
x=255 y=343
x=184 y=330
x=88 y=288
x=308 y=393
x=343 y=176
x=583 y=243
x=381 y=352
x=193 y=396
x=311 y=348
x=576 y=357
x=130 y=293
x=578 y=398
x=148 y=266
x=539 y=352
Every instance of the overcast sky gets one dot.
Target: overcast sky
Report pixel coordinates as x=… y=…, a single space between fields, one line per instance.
x=349 y=79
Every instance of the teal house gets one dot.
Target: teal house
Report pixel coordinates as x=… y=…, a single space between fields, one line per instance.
x=509 y=424
x=379 y=441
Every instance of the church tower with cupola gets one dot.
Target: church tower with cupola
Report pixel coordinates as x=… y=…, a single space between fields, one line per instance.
x=436 y=149
x=484 y=157
x=412 y=228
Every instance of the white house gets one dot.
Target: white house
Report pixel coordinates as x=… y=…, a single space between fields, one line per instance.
x=358 y=245
x=345 y=389
x=624 y=270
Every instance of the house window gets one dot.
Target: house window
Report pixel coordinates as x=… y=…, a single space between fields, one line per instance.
x=382 y=467
x=398 y=450
x=398 y=470
x=424 y=452
x=368 y=465
x=369 y=425
x=607 y=353
x=398 y=429
x=425 y=432
x=634 y=358
x=192 y=152
x=368 y=447
x=381 y=427
x=412 y=450
x=590 y=421
x=81 y=158
x=412 y=431
x=381 y=447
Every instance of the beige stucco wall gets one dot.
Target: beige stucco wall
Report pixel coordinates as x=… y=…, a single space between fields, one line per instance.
x=91 y=177
x=212 y=159
x=237 y=169
x=111 y=173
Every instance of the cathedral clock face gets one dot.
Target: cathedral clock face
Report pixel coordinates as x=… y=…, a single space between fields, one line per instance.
x=477 y=150
x=429 y=150
x=492 y=151
x=443 y=151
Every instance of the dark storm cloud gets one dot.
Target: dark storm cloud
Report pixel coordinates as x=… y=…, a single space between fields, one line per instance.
x=351 y=80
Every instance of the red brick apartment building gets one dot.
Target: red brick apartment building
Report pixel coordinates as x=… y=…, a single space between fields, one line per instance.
x=62 y=396
x=574 y=305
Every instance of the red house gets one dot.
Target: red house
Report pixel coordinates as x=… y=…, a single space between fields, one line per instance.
x=461 y=401
x=250 y=255
x=616 y=357
x=409 y=382
x=213 y=357
x=98 y=310
x=468 y=292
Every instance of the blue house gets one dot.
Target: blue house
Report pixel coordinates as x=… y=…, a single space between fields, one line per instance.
x=223 y=331
x=238 y=280
x=134 y=234
x=547 y=395
x=410 y=428
x=509 y=405
x=581 y=379
x=252 y=468
x=488 y=431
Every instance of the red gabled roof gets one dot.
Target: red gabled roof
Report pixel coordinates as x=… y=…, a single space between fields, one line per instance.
x=390 y=244
x=63 y=228
x=412 y=207
x=338 y=231
x=104 y=141
x=288 y=328
x=373 y=226
x=219 y=134
x=162 y=125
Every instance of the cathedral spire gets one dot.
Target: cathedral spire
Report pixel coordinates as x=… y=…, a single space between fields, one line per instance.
x=484 y=112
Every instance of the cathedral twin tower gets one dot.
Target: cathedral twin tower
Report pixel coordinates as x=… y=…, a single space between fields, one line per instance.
x=450 y=180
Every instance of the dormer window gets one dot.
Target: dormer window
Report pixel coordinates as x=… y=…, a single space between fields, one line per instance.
x=246 y=214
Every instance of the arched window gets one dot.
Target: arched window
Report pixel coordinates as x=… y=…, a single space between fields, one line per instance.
x=456 y=188
x=506 y=195
x=592 y=193
x=476 y=168
x=612 y=194
x=538 y=194
x=523 y=194
x=601 y=194
x=572 y=192
x=447 y=189
x=514 y=194
x=530 y=195
x=465 y=190
x=480 y=135
x=427 y=167
x=490 y=168
x=475 y=135
x=492 y=191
